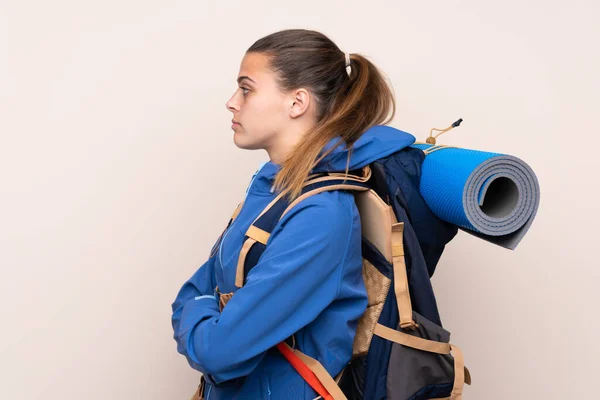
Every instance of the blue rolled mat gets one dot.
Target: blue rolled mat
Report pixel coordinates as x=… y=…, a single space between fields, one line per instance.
x=489 y=195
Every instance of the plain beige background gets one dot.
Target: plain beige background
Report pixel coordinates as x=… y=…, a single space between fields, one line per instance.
x=118 y=171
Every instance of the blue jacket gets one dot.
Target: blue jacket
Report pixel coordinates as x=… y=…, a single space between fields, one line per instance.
x=308 y=282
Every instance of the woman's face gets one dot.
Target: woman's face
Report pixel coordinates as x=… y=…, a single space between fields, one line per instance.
x=260 y=109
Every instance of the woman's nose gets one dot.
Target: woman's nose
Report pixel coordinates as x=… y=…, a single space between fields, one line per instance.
x=231 y=106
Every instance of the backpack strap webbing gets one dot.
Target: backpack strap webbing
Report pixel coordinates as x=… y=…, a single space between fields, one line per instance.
x=400 y=277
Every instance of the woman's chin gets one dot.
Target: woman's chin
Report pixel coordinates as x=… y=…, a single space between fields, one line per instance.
x=238 y=140
x=241 y=141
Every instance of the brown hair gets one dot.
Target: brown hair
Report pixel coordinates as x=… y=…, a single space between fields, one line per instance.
x=346 y=105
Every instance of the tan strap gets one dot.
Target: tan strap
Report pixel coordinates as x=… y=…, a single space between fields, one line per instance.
x=411 y=341
x=223 y=298
x=283 y=192
x=321 y=373
x=459 y=373
x=271 y=204
x=400 y=278
x=237 y=211
x=323 y=189
x=365 y=177
x=255 y=235
x=334 y=177
x=239 y=275
x=258 y=234
x=309 y=181
x=337 y=380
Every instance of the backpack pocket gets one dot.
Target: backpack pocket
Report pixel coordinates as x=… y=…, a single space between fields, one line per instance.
x=421 y=365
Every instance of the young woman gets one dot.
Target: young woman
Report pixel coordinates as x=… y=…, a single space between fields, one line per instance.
x=313 y=108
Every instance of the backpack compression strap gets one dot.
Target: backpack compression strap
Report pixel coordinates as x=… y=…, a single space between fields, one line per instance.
x=400 y=277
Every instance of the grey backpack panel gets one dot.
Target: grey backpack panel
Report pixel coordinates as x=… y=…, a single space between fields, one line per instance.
x=411 y=370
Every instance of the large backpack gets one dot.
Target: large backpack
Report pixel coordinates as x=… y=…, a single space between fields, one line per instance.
x=401 y=351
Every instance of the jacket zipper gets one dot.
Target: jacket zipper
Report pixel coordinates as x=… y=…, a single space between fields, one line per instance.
x=233 y=223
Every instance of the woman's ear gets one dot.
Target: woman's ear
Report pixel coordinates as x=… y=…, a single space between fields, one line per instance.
x=300 y=103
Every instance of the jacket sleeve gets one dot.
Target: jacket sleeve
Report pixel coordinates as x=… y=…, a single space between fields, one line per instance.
x=200 y=285
x=296 y=278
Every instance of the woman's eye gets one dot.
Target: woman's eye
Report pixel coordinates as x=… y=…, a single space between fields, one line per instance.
x=243 y=88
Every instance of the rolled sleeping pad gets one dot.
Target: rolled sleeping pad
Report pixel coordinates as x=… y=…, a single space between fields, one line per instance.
x=492 y=196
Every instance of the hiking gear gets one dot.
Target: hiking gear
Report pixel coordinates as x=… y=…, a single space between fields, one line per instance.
x=297 y=265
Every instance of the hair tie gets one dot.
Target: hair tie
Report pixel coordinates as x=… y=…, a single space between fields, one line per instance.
x=348 y=66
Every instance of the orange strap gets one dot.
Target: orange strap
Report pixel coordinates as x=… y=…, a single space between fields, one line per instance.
x=304 y=371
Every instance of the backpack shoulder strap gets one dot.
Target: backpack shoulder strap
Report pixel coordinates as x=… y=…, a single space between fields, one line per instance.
x=260 y=230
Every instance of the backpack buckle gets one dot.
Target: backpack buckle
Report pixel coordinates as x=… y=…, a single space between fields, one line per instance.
x=412 y=325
